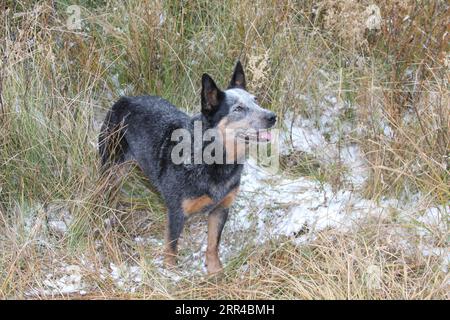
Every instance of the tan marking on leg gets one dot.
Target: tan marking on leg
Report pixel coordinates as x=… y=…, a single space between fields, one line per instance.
x=213 y=263
x=196 y=204
x=170 y=255
x=229 y=198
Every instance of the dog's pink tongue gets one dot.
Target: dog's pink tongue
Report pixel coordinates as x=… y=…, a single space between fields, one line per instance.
x=266 y=135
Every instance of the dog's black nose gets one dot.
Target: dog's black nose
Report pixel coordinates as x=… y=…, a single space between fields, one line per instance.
x=271 y=118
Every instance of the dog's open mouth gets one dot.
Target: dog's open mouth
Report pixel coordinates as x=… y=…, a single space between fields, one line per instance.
x=260 y=136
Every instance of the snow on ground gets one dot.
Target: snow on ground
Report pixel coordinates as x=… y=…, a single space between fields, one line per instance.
x=299 y=207
x=326 y=138
x=64 y=279
x=274 y=206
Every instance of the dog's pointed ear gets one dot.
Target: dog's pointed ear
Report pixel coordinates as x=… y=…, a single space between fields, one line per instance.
x=212 y=96
x=238 y=78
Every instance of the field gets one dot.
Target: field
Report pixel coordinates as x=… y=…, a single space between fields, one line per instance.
x=358 y=210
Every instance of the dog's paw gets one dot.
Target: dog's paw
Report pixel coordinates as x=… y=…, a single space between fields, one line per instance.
x=214 y=267
x=170 y=261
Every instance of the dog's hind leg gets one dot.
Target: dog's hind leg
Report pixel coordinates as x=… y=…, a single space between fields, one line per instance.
x=216 y=222
x=174 y=227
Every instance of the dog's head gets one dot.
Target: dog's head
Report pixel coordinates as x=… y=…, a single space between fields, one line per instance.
x=235 y=111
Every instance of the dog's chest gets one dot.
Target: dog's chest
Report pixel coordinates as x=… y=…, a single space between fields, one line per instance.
x=220 y=197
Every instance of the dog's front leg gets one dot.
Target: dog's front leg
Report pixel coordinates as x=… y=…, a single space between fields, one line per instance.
x=174 y=227
x=216 y=222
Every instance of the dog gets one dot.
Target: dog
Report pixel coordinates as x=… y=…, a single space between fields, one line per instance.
x=140 y=129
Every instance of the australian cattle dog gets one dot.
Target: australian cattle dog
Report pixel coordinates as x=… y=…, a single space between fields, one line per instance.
x=141 y=129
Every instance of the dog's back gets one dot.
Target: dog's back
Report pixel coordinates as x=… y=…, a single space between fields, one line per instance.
x=139 y=128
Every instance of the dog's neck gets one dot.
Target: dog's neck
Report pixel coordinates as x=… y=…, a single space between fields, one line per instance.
x=216 y=171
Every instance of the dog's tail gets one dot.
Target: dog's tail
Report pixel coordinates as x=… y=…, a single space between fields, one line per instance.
x=112 y=144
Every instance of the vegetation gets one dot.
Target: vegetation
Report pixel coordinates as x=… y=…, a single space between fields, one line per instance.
x=387 y=62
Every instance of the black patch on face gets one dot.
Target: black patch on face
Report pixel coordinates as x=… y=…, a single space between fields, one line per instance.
x=222 y=112
x=211 y=96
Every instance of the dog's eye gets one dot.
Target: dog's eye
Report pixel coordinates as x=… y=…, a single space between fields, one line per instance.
x=255 y=99
x=238 y=108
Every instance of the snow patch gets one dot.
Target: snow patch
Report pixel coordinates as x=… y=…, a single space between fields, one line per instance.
x=299 y=207
x=125 y=276
x=67 y=279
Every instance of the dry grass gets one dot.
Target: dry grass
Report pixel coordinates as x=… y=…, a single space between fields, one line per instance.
x=55 y=84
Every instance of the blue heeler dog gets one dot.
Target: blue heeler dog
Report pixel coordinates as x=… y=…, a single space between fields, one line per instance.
x=140 y=129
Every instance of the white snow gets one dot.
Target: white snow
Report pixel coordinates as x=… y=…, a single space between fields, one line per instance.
x=125 y=276
x=67 y=279
x=436 y=218
x=297 y=207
